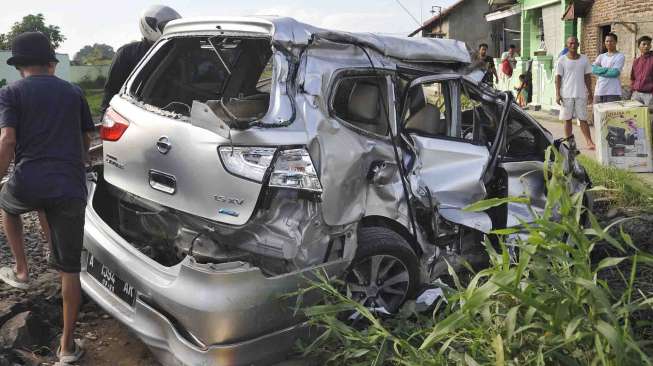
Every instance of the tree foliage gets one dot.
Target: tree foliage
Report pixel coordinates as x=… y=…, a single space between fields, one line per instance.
x=97 y=54
x=32 y=23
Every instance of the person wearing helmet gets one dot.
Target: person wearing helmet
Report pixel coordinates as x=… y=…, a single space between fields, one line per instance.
x=151 y=22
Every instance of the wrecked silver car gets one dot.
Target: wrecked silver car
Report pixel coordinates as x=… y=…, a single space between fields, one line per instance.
x=243 y=154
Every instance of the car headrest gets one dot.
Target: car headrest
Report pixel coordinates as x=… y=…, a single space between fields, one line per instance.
x=428 y=120
x=363 y=103
x=417 y=99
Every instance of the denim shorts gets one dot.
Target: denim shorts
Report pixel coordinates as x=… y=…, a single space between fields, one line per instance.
x=66 y=221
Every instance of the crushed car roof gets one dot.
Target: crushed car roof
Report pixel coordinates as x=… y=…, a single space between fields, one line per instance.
x=289 y=32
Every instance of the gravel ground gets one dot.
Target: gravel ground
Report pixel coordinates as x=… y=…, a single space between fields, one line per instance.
x=107 y=342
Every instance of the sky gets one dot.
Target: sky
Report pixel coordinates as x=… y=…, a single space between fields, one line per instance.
x=115 y=22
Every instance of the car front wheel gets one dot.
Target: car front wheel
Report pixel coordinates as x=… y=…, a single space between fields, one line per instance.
x=385 y=272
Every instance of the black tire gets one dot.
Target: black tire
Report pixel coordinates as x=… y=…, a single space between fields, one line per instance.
x=394 y=260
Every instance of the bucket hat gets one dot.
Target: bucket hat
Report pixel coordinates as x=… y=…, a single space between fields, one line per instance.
x=31 y=48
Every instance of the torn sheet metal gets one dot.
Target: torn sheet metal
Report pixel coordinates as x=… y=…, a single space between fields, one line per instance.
x=525 y=179
x=405 y=48
x=476 y=220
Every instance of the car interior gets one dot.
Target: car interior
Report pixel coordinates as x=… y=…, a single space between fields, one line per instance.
x=236 y=71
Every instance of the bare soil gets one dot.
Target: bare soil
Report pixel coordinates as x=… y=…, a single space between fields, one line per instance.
x=108 y=342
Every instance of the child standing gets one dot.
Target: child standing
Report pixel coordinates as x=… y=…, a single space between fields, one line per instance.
x=522 y=91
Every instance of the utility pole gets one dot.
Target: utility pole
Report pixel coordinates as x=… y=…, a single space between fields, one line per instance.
x=436 y=10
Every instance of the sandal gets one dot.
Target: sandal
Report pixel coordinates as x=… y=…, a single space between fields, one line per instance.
x=9 y=277
x=77 y=354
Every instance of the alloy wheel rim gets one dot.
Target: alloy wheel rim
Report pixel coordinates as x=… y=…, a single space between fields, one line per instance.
x=379 y=282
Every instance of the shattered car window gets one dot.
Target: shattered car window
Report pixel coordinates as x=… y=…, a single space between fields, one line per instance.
x=524 y=140
x=200 y=68
x=429 y=110
x=360 y=101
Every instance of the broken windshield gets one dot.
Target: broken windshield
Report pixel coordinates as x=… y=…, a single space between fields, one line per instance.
x=191 y=69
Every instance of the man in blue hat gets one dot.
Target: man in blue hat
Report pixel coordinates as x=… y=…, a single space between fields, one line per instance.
x=44 y=126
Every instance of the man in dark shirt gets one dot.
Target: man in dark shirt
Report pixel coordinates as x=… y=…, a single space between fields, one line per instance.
x=152 y=22
x=488 y=65
x=641 y=75
x=125 y=60
x=44 y=126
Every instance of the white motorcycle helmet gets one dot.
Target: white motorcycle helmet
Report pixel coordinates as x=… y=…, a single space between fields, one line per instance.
x=154 y=19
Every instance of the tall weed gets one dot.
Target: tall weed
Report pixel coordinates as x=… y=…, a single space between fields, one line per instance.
x=546 y=307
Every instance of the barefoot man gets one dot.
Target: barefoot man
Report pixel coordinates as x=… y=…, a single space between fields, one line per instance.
x=574 y=89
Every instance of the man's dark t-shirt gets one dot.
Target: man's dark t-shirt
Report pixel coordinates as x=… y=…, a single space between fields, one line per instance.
x=489 y=70
x=124 y=62
x=49 y=115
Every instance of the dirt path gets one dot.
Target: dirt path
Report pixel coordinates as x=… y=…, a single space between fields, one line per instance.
x=108 y=342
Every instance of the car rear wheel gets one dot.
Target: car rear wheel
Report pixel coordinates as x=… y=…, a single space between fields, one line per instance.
x=385 y=272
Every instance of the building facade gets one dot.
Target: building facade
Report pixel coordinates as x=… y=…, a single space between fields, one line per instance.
x=543 y=36
x=628 y=19
x=465 y=21
x=546 y=24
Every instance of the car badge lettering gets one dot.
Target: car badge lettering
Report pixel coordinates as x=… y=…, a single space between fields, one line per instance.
x=233 y=201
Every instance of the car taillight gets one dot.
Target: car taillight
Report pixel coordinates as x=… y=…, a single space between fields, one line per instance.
x=294 y=169
x=291 y=168
x=113 y=126
x=249 y=162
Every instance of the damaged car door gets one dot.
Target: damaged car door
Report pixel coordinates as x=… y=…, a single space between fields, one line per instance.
x=454 y=160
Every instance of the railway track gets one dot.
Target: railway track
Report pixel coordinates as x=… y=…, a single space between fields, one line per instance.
x=95 y=153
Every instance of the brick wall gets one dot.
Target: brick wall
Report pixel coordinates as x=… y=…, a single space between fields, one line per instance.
x=630 y=19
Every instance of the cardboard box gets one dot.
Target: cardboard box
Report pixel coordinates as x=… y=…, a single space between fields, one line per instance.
x=623 y=135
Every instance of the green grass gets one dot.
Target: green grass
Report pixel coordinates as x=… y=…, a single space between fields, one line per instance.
x=94 y=98
x=624 y=188
x=547 y=306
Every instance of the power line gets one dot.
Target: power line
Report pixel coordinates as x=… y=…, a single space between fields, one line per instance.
x=408 y=12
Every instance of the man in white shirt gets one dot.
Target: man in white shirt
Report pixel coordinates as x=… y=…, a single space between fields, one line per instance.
x=607 y=68
x=573 y=89
x=511 y=55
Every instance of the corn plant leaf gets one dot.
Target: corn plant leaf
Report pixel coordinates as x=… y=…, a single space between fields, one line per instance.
x=499 y=357
x=511 y=321
x=470 y=361
x=609 y=262
x=494 y=202
x=359 y=352
x=508 y=231
x=572 y=326
x=611 y=334
x=448 y=325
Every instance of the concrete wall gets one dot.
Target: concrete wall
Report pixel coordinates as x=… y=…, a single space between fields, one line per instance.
x=467 y=23
x=10 y=74
x=80 y=73
x=551 y=15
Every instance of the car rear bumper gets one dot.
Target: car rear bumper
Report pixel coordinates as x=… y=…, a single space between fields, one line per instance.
x=196 y=314
x=171 y=348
